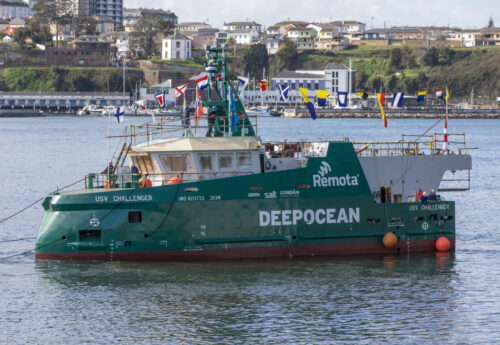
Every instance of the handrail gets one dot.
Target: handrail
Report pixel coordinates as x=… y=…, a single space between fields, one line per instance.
x=129 y=180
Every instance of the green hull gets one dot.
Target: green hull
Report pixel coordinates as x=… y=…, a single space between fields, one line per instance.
x=325 y=208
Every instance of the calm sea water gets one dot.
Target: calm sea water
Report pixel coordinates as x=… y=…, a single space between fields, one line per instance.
x=416 y=299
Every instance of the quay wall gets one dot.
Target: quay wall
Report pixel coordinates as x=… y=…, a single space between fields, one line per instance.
x=396 y=114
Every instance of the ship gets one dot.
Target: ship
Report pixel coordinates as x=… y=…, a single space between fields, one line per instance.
x=229 y=194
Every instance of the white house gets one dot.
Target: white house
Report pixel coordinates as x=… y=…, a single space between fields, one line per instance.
x=352 y=26
x=176 y=47
x=7 y=39
x=336 y=77
x=245 y=36
x=272 y=43
x=231 y=26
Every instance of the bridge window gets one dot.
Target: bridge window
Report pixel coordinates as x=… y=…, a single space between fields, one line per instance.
x=226 y=161
x=244 y=159
x=177 y=162
x=206 y=162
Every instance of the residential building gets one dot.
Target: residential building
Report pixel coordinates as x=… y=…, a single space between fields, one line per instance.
x=272 y=43
x=201 y=37
x=102 y=8
x=222 y=36
x=14 y=9
x=132 y=15
x=104 y=24
x=331 y=40
x=478 y=37
x=301 y=33
x=244 y=36
x=407 y=33
x=176 y=47
x=303 y=37
x=120 y=42
x=7 y=39
x=4 y=24
x=276 y=30
x=232 y=26
x=191 y=26
x=352 y=26
x=376 y=34
x=17 y=23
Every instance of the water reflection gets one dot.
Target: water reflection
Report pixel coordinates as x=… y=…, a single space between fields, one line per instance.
x=276 y=301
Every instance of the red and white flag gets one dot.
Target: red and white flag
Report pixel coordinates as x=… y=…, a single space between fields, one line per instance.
x=141 y=104
x=445 y=136
x=202 y=82
x=179 y=91
x=199 y=108
x=219 y=77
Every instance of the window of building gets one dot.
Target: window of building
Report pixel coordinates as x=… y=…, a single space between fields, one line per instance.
x=166 y=44
x=177 y=44
x=178 y=55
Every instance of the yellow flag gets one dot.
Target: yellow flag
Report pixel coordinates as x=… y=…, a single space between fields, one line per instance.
x=447 y=94
x=185 y=103
x=303 y=92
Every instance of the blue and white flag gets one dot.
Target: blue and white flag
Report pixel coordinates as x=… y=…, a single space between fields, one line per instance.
x=232 y=110
x=397 y=100
x=342 y=98
x=283 y=89
x=119 y=114
x=243 y=82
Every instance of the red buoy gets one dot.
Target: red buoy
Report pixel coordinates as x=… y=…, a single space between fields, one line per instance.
x=443 y=244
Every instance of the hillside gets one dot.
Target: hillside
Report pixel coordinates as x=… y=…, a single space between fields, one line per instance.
x=391 y=69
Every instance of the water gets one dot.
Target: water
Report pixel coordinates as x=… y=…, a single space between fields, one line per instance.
x=355 y=300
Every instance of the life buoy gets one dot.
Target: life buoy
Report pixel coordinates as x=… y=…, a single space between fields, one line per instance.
x=267 y=165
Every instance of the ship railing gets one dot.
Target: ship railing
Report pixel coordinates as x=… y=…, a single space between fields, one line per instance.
x=410 y=144
x=165 y=127
x=110 y=181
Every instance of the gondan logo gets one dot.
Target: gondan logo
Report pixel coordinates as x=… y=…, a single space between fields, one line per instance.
x=322 y=180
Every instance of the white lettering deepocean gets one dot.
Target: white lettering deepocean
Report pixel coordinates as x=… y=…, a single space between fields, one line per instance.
x=309 y=216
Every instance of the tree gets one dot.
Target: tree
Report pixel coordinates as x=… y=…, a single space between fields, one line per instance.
x=431 y=57
x=85 y=25
x=58 y=12
x=145 y=32
x=395 y=58
x=255 y=59
x=287 y=56
x=491 y=24
x=20 y=36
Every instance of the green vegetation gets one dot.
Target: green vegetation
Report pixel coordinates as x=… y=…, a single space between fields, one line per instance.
x=410 y=69
x=187 y=63
x=391 y=69
x=67 y=79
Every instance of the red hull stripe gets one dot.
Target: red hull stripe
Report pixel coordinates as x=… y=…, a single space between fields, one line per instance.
x=415 y=246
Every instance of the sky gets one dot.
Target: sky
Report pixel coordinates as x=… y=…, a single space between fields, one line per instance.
x=374 y=13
